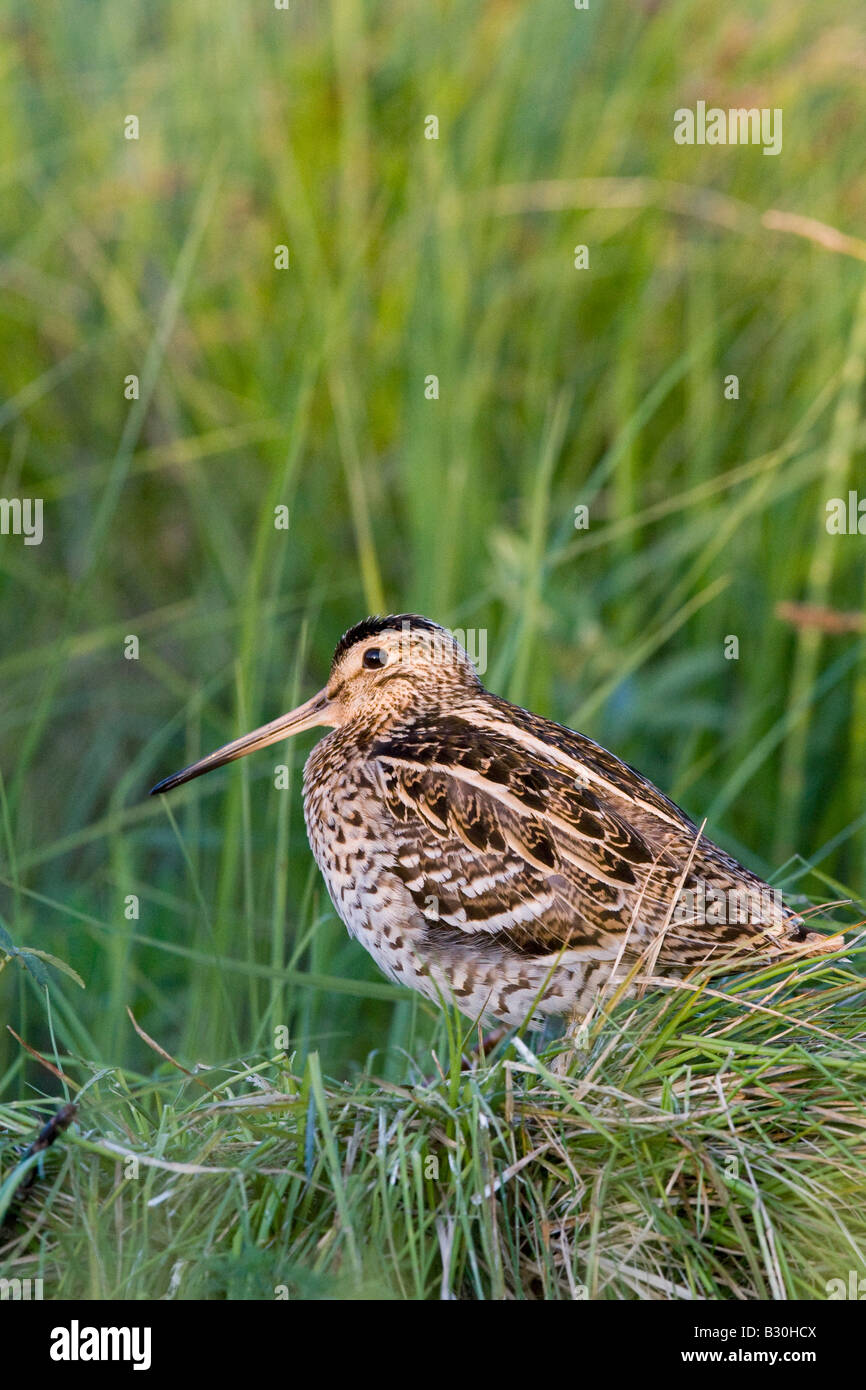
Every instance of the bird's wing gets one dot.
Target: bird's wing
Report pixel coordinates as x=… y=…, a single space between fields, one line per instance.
x=491 y=836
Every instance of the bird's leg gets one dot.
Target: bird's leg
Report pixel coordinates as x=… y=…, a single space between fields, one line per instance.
x=486 y=1043
x=575 y=1041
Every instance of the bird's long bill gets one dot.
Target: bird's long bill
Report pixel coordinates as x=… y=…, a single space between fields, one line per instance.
x=315 y=711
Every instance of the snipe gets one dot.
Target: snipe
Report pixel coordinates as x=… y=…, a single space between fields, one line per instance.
x=483 y=854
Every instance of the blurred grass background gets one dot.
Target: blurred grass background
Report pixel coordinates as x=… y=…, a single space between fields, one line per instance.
x=305 y=387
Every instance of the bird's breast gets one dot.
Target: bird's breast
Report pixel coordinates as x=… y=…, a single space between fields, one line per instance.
x=348 y=834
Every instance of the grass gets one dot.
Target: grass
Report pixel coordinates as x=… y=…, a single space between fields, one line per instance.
x=306 y=388
x=701 y=1143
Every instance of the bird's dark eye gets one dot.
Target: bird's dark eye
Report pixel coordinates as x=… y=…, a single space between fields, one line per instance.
x=375 y=658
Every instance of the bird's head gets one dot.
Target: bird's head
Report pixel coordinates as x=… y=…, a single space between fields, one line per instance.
x=388 y=663
x=380 y=666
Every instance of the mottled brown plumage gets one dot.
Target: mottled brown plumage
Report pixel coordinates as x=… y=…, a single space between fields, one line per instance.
x=486 y=855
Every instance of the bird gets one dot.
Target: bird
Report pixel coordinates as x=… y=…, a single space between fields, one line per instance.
x=490 y=858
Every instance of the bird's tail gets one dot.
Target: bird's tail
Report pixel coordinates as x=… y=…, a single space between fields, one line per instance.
x=799 y=940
